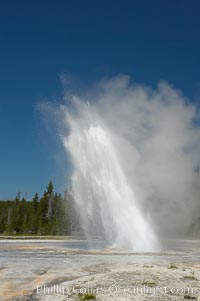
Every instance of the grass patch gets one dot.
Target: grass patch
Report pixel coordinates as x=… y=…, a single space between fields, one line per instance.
x=83 y=297
x=188 y=297
x=149 y=283
x=190 y=277
x=172 y=266
x=148 y=266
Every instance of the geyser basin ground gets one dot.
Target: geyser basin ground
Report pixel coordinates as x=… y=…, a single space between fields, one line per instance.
x=24 y=265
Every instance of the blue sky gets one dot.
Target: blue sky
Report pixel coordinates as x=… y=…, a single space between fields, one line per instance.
x=149 y=40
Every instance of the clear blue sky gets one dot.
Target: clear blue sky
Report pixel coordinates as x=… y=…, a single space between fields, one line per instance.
x=149 y=40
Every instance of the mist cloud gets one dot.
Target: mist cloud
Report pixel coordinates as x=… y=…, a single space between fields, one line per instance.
x=157 y=139
x=159 y=144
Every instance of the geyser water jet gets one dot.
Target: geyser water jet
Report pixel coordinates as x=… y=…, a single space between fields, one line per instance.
x=105 y=201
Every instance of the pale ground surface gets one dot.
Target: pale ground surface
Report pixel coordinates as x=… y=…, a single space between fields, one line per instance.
x=72 y=268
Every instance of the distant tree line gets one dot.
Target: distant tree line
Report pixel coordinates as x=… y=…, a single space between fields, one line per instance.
x=52 y=214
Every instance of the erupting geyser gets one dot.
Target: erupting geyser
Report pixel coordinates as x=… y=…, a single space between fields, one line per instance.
x=107 y=204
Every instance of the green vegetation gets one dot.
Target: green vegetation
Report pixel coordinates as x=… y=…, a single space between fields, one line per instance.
x=172 y=266
x=83 y=297
x=190 y=277
x=148 y=266
x=188 y=297
x=52 y=214
x=149 y=283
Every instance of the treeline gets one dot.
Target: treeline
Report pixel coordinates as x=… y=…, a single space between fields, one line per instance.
x=52 y=214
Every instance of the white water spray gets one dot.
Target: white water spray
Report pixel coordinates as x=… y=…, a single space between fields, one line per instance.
x=104 y=199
